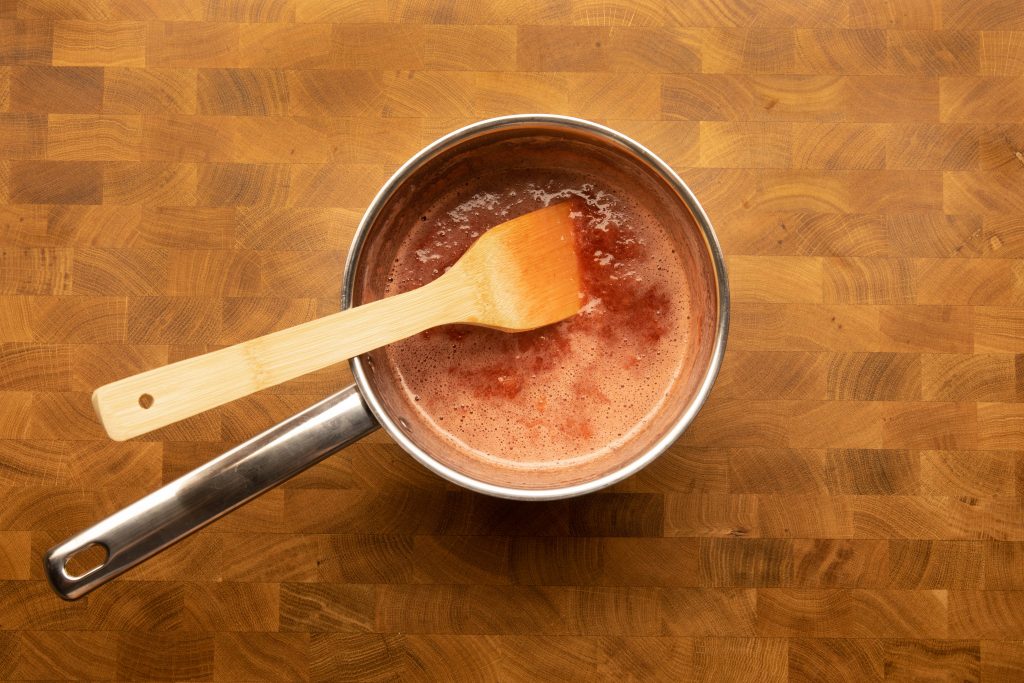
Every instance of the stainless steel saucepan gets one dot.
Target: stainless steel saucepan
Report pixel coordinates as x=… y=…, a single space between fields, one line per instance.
x=252 y=468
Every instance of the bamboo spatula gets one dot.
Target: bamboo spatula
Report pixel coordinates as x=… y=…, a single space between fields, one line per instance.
x=519 y=275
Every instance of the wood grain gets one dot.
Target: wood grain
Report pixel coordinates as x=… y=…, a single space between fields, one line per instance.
x=182 y=175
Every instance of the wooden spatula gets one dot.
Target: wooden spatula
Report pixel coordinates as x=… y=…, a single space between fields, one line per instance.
x=518 y=276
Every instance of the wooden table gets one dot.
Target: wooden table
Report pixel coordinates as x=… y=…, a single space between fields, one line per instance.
x=178 y=175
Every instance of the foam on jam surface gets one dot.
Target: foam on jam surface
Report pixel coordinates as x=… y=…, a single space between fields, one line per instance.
x=568 y=391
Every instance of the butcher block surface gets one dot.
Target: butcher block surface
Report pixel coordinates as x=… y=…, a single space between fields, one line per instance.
x=179 y=175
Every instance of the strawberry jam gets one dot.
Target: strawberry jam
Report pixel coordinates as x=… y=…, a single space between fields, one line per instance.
x=565 y=391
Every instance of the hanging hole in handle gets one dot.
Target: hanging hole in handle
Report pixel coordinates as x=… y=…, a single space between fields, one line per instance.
x=85 y=561
x=145 y=401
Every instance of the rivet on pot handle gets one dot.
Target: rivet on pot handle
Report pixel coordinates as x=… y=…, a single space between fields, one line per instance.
x=207 y=493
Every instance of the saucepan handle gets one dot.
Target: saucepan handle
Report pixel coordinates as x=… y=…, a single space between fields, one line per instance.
x=189 y=503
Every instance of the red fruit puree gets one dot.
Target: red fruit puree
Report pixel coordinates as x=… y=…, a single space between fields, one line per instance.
x=563 y=393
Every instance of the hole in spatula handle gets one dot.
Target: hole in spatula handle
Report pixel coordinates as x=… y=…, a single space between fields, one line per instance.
x=145 y=400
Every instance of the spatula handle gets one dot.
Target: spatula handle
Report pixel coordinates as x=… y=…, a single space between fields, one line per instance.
x=156 y=398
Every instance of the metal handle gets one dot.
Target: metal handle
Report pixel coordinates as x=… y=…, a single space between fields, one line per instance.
x=207 y=493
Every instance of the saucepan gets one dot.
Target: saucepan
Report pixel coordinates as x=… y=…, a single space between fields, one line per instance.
x=191 y=502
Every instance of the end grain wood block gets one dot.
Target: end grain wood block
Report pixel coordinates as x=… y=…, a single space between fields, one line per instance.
x=874 y=376
x=249 y=11
x=834 y=146
x=1000 y=660
x=931 y=425
x=357 y=654
x=284 y=45
x=57 y=89
x=230 y=606
x=838 y=50
x=184 y=227
x=266 y=139
x=872 y=472
x=471 y=48
x=27 y=365
x=605 y=561
x=56 y=182
x=15 y=411
x=978 y=474
x=745 y=145
x=931 y=146
x=917 y=659
x=721 y=97
x=22 y=136
x=238 y=656
x=776 y=471
x=290 y=229
x=781 y=279
x=14 y=555
x=804 y=516
x=87 y=137
x=250 y=317
x=988 y=14
x=737 y=659
x=128 y=90
x=463 y=559
x=919 y=328
x=812 y=659
x=241 y=184
x=94 y=43
x=813 y=13
x=15 y=313
x=5 y=88
x=427 y=94
x=979 y=377
x=215 y=273
x=1001 y=54
x=682 y=469
x=853 y=613
x=185 y=139
x=165 y=654
x=497 y=93
x=991 y=614
x=192 y=44
x=256 y=92
x=699 y=514
x=933 y=53
x=854 y=280
x=57 y=508
x=936 y=235
x=804 y=234
x=95 y=320
x=133 y=272
x=918 y=517
x=341 y=558
x=840 y=563
x=149 y=184
x=778 y=374
x=378 y=46
x=800 y=327
x=71 y=654
x=917 y=564
x=26 y=41
x=998 y=144
x=177 y=176
x=973 y=99
x=36 y=271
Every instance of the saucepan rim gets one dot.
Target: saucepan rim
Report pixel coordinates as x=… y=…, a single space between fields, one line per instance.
x=549 y=121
